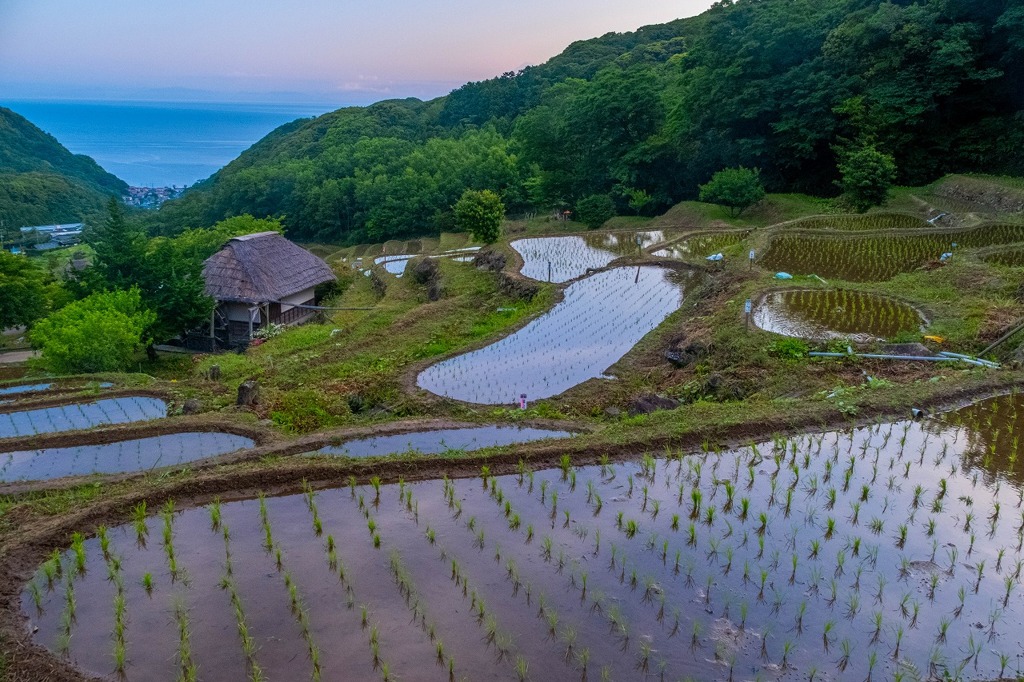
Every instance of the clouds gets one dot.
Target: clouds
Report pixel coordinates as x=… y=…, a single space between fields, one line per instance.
x=318 y=48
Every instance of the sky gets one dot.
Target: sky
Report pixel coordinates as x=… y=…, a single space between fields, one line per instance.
x=332 y=51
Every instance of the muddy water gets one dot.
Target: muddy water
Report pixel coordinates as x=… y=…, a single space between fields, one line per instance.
x=110 y=458
x=598 y=321
x=835 y=314
x=438 y=442
x=701 y=246
x=905 y=545
x=875 y=258
x=560 y=259
x=81 y=416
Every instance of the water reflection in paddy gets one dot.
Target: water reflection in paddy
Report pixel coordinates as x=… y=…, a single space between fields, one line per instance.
x=600 y=319
x=439 y=441
x=120 y=457
x=81 y=416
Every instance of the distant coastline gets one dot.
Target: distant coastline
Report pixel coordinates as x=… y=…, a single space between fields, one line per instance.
x=160 y=144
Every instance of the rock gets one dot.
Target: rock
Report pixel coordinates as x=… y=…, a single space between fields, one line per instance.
x=683 y=356
x=646 y=404
x=612 y=412
x=489 y=260
x=248 y=393
x=191 y=406
x=214 y=373
x=517 y=287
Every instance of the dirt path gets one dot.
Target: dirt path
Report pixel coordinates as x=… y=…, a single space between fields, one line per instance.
x=17 y=357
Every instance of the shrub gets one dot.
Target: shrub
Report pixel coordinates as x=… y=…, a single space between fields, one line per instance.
x=100 y=333
x=595 y=210
x=789 y=348
x=737 y=188
x=480 y=213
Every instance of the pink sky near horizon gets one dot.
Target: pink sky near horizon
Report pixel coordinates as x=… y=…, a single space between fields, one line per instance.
x=320 y=48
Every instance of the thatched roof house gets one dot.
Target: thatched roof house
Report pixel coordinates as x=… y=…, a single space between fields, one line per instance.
x=260 y=278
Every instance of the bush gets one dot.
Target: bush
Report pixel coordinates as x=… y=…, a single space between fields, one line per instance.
x=737 y=188
x=480 y=213
x=595 y=210
x=100 y=333
x=789 y=348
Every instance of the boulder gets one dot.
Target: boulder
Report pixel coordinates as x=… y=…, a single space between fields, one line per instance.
x=646 y=404
x=248 y=393
x=191 y=406
x=683 y=356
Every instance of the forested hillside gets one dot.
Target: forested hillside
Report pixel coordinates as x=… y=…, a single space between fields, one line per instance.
x=42 y=182
x=791 y=87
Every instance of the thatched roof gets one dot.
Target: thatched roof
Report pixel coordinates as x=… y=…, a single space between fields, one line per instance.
x=262 y=267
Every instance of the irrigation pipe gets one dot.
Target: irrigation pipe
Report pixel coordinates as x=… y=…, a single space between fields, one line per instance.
x=922 y=358
x=987 y=363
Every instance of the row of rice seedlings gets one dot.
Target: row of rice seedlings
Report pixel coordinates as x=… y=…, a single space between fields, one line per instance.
x=574 y=656
x=702 y=245
x=187 y=669
x=876 y=258
x=565 y=258
x=336 y=564
x=114 y=575
x=815 y=312
x=578 y=578
x=407 y=589
x=249 y=647
x=297 y=605
x=871 y=221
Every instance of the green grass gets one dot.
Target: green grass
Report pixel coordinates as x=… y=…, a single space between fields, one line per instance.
x=322 y=375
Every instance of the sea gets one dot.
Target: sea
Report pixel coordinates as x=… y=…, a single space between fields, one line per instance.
x=160 y=144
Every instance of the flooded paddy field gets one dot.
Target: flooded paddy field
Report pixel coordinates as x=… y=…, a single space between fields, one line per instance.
x=115 y=458
x=889 y=551
x=701 y=246
x=440 y=441
x=571 y=257
x=835 y=314
x=10 y=391
x=84 y=415
x=876 y=258
x=598 y=321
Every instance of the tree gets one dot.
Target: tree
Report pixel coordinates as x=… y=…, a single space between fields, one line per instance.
x=120 y=251
x=867 y=176
x=103 y=332
x=737 y=188
x=23 y=297
x=480 y=213
x=594 y=210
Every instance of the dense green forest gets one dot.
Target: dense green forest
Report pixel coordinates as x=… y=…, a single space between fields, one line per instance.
x=790 y=87
x=41 y=182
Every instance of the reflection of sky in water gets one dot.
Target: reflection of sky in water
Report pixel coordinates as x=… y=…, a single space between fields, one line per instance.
x=110 y=458
x=834 y=505
x=817 y=314
x=436 y=442
x=571 y=257
x=600 y=319
x=25 y=388
x=81 y=416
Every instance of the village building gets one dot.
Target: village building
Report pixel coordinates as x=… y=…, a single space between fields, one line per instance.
x=258 y=279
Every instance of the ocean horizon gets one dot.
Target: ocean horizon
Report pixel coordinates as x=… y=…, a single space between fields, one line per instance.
x=160 y=144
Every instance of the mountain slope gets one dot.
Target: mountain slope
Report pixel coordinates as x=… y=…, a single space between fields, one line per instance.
x=787 y=86
x=42 y=182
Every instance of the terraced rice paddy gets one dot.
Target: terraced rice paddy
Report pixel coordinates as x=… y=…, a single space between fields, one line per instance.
x=115 y=458
x=440 y=441
x=871 y=221
x=701 y=246
x=886 y=552
x=394 y=264
x=598 y=321
x=835 y=314
x=1010 y=257
x=24 y=388
x=81 y=416
x=571 y=257
x=876 y=258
